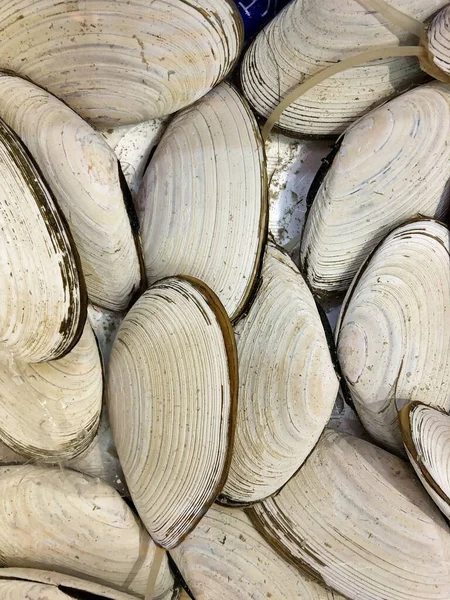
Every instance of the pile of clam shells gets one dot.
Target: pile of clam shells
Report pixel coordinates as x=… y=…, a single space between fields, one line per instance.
x=225 y=301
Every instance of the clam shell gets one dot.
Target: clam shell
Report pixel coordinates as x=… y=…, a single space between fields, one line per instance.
x=17 y=590
x=357 y=518
x=202 y=203
x=308 y=36
x=286 y=395
x=61 y=520
x=43 y=308
x=116 y=63
x=392 y=165
x=82 y=172
x=50 y=411
x=426 y=435
x=439 y=39
x=172 y=387
x=225 y=557
x=392 y=342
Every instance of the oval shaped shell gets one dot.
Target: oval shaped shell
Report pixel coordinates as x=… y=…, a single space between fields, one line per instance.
x=308 y=36
x=54 y=518
x=439 y=39
x=286 y=395
x=426 y=435
x=43 y=308
x=392 y=165
x=356 y=517
x=18 y=590
x=50 y=411
x=172 y=382
x=225 y=557
x=202 y=203
x=392 y=343
x=116 y=63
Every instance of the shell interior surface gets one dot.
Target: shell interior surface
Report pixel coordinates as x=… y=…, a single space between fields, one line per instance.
x=172 y=381
x=392 y=165
x=202 y=203
x=116 y=63
x=58 y=519
x=226 y=557
x=83 y=174
x=287 y=394
x=370 y=537
x=43 y=300
x=50 y=411
x=439 y=39
x=391 y=342
x=308 y=36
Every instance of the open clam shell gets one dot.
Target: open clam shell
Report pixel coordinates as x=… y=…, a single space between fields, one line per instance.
x=209 y=172
x=116 y=63
x=356 y=517
x=172 y=394
x=392 y=165
x=307 y=36
x=50 y=411
x=287 y=394
x=43 y=307
x=391 y=340
x=225 y=557
x=83 y=174
x=439 y=39
x=59 y=519
x=426 y=435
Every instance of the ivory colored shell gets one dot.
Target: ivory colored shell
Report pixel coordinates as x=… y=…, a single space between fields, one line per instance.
x=202 y=203
x=287 y=383
x=50 y=411
x=18 y=590
x=356 y=517
x=225 y=557
x=58 y=519
x=392 y=165
x=43 y=300
x=119 y=63
x=83 y=173
x=439 y=39
x=426 y=435
x=392 y=341
x=308 y=36
x=172 y=386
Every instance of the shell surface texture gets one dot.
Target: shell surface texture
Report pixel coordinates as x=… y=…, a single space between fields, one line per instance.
x=172 y=382
x=117 y=63
x=439 y=39
x=202 y=204
x=372 y=536
x=287 y=383
x=391 y=342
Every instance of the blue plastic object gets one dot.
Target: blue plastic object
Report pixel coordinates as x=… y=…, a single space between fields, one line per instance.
x=257 y=13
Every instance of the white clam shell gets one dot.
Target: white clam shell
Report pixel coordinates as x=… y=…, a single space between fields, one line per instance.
x=392 y=341
x=225 y=557
x=439 y=39
x=357 y=517
x=202 y=203
x=287 y=383
x=83 y=174
x=62 y=520
x=18 y=590
x=171 y=394
x=392 y=165
x=306 y=37
x=119 y=63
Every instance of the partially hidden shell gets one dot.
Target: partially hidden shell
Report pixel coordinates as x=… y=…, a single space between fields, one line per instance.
x=426 y=435
x=116 y=63
x=83 y=174
x=357 y=518
x=392 y=341
x=14 y=589
x=50 y=411
x=202 y=203
x=287 y=383
x=172 y=394
x=59 y=519
x=439 y=39
x=308 y=36
x=43 y=299
x=392 y=165
x=225 y=557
